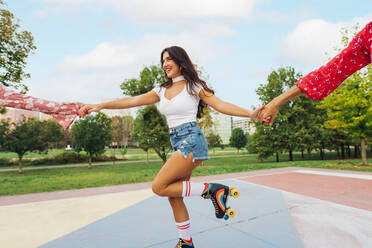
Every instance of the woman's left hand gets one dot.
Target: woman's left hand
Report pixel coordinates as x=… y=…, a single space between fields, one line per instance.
x=255 y=115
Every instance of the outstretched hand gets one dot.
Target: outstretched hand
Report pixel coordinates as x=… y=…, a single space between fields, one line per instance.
x=88 y=108
x=267 y=116
x=257 y=113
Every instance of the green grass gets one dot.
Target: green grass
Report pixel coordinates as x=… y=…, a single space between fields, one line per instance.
x=46 y=180
x=130 y=151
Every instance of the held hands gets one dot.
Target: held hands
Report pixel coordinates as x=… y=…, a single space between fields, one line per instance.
x=267 y=116
x=88 y=108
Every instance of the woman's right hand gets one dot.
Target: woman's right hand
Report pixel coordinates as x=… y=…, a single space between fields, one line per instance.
x=89 y=108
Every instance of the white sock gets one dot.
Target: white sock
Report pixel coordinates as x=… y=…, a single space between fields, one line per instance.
x=184 y=230
x=192 y=189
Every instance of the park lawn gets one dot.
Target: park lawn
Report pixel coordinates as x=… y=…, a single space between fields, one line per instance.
x=108 y=152
x=47 y=180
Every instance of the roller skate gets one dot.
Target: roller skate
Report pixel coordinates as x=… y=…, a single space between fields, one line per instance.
x=183 y=244
x=218 y=193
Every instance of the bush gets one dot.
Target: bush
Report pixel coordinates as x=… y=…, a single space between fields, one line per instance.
x=6 y=162
x=67 y=157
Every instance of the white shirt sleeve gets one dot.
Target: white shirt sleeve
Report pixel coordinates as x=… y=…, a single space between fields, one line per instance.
x=157 y=90
x=198 y=88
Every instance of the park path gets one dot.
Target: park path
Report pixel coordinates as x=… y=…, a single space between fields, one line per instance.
x=42 y=167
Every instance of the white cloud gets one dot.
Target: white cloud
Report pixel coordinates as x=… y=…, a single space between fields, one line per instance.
x=164 y=12
x=313 y=42
x=98 y=74
x=168 y=11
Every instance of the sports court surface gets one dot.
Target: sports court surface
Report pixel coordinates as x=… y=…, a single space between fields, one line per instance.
x=288 y=207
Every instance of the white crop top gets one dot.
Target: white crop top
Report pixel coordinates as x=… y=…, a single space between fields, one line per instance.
x=180 y=109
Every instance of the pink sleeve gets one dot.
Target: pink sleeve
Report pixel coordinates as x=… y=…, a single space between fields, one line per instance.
x=64 y=113
x=323 y=81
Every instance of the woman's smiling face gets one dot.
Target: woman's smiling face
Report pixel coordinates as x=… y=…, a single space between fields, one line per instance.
x=170 y=67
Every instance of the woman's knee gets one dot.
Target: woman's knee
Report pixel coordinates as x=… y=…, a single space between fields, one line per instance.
x=158 y=188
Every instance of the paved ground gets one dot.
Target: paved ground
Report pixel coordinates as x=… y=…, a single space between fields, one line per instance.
x=288 y=207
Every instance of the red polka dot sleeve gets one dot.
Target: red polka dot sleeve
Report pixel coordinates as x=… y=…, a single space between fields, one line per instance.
x=64 y=113
x=321 y=82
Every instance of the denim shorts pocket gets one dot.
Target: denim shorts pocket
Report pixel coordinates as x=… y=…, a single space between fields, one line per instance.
x=183 y=133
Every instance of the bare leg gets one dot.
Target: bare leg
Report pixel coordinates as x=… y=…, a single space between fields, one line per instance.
x=168 y=181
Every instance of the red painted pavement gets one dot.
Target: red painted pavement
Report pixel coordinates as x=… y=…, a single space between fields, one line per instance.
x=343 y=190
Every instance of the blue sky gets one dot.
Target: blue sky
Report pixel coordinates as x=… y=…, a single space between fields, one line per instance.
x=86 y=48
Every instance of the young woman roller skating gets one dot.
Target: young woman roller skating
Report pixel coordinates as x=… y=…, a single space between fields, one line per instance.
x=181 y=99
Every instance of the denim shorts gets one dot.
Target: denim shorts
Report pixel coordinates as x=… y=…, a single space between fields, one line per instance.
x=187 y=138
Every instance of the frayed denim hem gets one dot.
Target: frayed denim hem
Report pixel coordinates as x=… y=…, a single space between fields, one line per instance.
x=186 y=154
x=199 y=158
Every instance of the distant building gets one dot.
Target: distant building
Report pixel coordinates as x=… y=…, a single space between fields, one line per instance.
x=17 y=115
x=244 y=124
x=223 y=126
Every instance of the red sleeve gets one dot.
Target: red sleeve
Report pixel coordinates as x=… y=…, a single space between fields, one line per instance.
x=321 y=82
x=64 y=113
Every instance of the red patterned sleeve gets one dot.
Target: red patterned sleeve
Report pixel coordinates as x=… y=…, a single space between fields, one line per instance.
x=64 y=113
x=321 y=82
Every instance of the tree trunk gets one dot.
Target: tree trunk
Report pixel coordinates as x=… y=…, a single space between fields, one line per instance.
x=147 y=156
x=355 y=151
x=308 y=152
x=113 y=162
x=348 y=150
x=20 y=165
x=290 y=155
x=277 y=157
x=302 y=154
x=323 y=151
x=321 y=154
x=364 y=151
x=342 y=151
x=164 y=157
x=338 y=152
x=90 y=161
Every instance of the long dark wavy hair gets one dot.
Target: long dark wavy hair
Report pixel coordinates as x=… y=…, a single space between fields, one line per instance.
x=180 y=57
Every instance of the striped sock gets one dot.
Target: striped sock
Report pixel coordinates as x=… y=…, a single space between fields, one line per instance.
x=184 y=230
x=192 y=189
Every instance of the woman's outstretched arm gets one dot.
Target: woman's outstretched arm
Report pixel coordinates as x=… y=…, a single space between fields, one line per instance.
x=323 y=81
x=127 y=102
x=229 y=108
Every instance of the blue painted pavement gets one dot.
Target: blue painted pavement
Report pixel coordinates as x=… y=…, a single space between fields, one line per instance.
x=262 y=220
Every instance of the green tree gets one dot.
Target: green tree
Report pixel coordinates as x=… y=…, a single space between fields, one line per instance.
x=214 y=140
x=291 y=130
x=26 y=136
x=149 y=78
x=117 y=129
x=4 y=130
x=238 y=138
x=15 y=47
x=349 y=106
x=53 y=132
x=150 y=127
x=128 y=123
x=92 y=134
x=151 y=131
x=206 y=121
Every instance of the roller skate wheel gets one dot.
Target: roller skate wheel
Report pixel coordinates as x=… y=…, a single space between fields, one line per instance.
x=230 y=213
x=234 y=192
x=226 y=217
